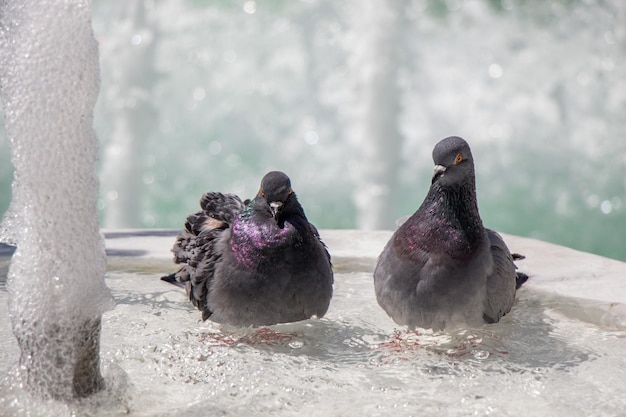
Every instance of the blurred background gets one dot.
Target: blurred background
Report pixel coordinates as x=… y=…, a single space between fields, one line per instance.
x=349 y=97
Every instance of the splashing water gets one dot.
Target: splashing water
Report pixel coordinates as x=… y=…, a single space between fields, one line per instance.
x=542 y=359
x=49 y=82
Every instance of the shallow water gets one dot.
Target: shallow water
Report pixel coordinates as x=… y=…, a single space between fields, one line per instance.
x=539 y=360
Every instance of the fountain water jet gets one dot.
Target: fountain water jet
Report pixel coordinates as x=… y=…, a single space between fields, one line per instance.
x=49 y=82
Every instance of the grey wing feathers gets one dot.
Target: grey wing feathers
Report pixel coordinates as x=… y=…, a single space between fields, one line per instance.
x=501 y=282
x=316 y=233
x=220 y=206
x=195 y=248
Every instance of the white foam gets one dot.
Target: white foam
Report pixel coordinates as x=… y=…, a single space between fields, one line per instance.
x=49 y=81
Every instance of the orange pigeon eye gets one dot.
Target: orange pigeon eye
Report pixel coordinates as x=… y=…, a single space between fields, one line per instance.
x=262 y=192
x=458 y=159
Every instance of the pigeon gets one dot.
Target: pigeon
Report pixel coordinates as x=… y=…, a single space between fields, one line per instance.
x=254 y=263
x=442 y=269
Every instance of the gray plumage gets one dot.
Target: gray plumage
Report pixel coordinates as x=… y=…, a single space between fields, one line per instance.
x=258 y=263
x=442 y=269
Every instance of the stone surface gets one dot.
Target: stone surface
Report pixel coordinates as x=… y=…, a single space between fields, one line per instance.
x=552 y=268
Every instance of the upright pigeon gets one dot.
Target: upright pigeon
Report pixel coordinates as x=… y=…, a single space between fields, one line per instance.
x=442 y=269
x=255 y=263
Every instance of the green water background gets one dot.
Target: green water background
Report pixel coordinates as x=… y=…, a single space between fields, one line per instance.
x=209 y=95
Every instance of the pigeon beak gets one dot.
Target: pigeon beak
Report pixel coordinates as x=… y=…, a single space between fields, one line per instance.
x=275 y=207
x=439 y=170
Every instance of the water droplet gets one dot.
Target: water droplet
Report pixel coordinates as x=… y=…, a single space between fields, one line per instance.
x=495 y=71
x=480 y=354
x=296 y=344
x=249 y=7
x=311 y=137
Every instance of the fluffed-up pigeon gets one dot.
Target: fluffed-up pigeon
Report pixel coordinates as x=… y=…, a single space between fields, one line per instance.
x=254 y=264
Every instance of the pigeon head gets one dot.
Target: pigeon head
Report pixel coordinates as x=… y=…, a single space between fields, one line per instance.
x=275 y=190
x=454 y=163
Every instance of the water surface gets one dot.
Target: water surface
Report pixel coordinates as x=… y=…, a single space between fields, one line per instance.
x=539 y=360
